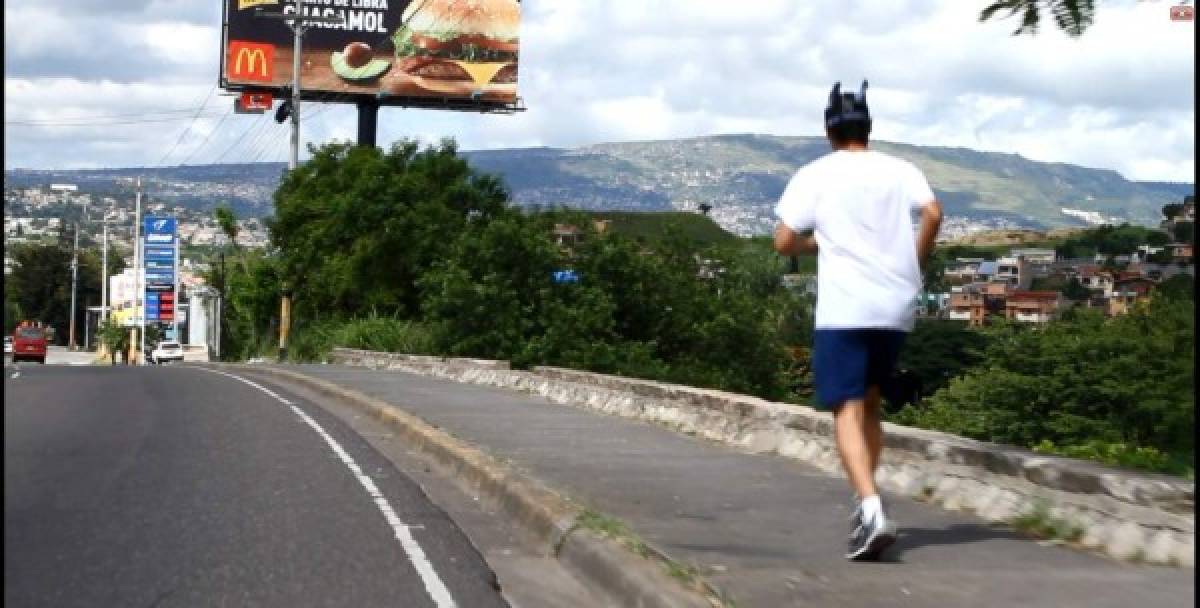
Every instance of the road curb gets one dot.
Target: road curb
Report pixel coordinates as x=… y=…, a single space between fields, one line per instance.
x=632 y=580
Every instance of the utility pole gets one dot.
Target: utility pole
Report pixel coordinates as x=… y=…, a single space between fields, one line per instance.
x=298 y=22
x=74 y=284
x=104 y=274
x=139 y=291
x=297 y=40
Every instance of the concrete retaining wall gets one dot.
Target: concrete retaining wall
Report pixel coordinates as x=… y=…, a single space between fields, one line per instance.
x=1127 y=515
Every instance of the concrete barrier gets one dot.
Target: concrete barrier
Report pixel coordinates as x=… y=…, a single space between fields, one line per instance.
x=1125 y=514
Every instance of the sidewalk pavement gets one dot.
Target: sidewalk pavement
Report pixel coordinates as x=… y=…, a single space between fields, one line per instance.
x=767 y=531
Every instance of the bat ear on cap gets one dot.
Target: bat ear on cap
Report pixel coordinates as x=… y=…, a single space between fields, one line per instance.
x=862 y=92
x=835 y=95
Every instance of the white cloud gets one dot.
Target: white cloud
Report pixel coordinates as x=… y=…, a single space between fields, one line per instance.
x=1120 y=97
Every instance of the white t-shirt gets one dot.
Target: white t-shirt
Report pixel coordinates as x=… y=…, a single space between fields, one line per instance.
x=859 y=205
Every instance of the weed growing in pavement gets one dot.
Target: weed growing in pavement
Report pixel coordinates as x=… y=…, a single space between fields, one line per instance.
x=615 y=529
x=1041 y=523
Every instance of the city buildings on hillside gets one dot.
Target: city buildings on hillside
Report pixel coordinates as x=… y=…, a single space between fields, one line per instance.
x=980 y=289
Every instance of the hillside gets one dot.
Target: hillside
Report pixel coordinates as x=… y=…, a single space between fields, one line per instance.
x=741 y=176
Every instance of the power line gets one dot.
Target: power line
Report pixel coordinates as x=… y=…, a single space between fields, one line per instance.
x=190 y=125
x=111 y=116
x=90 y=123
x=227 y=114
x=237 y=141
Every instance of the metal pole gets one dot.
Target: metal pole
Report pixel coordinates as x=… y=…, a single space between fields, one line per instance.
x=104 y=275
x=74 y=284
x=219 y=304
x=285 y=319
x=140 y=275
x=294 y=161
x=298 y=35
x=368 y=115
x=86 y=326
x=175 y=298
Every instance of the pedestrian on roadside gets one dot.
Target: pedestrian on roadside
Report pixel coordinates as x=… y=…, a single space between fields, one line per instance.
x=853 y=208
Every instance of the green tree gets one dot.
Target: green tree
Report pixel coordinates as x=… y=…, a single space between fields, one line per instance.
x=227 y=222
x=937 y=351
x=1071 y=16
x=12 y=314
x=357 y=227
x=1184 y=232
x=249 y=322
x=1110 y=240
x=1179 y=287
x=115 y=339
x=40 y=284
x=1170 y=210
x=1085 y=381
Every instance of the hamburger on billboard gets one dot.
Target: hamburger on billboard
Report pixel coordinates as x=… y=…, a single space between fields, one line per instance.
x=460 y=54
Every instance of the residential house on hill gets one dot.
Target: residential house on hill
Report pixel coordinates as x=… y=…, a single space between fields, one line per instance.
x=967 y=304
x=1035 y=255
x=1033 y=306
x=1014 y=271
x=1127 y=292
x=1180 y=252
x=1095 y=278
x=567 y=236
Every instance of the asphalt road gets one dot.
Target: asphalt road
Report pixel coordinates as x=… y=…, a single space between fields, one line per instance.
x=176 y=486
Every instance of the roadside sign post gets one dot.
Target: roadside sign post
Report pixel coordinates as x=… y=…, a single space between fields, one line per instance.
x=161 y=261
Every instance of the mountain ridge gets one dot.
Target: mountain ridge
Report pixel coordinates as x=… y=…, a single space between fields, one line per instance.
x=739 y=175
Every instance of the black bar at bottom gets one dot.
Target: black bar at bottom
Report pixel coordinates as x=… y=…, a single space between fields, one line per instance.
x=368 y=112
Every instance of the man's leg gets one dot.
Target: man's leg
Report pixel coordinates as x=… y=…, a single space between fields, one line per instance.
x=849 y=423
x=873 y=426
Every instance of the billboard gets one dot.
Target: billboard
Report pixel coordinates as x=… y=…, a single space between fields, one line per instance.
x=448 y=54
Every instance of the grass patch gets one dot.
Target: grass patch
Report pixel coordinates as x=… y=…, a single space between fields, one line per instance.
x=1041 y=523
x=615 y=529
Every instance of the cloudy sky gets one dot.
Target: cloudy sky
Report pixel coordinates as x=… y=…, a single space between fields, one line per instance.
x=115 y=83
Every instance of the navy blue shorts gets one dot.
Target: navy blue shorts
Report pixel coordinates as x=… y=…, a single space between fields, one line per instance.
x=847 y=361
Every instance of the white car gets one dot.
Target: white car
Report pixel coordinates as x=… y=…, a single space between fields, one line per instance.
x=8 y=345
x=165 y=352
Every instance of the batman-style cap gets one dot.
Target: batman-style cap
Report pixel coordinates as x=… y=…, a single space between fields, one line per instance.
x=847 y=107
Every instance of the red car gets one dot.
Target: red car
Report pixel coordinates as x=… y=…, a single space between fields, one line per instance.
x=29 y=343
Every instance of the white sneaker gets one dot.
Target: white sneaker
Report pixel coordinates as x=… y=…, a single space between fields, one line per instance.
x=869 y=539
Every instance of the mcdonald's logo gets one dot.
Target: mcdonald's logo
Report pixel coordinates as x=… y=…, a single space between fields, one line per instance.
x=251 y=61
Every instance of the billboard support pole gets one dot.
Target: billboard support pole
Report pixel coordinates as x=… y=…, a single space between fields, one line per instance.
x=368 y=118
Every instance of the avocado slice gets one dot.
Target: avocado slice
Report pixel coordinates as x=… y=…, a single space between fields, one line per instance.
x=373 y=69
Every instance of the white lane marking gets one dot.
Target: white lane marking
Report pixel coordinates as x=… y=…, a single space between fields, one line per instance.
x=433 y=584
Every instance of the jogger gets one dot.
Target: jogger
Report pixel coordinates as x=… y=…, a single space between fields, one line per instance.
x=853 y=208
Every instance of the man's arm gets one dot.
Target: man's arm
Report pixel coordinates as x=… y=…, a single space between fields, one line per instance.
x=931 y=221
x=787 y=242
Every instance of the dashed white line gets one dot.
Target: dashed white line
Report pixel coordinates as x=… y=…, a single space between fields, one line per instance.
x=433 y=584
